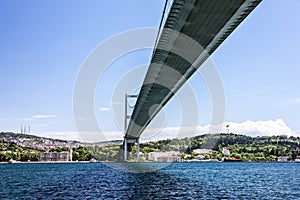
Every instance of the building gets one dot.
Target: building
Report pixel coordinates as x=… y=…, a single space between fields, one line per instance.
x=169 y=156
x=54 y=156
x=168 y=159
x=202 y=151
x=282 y=158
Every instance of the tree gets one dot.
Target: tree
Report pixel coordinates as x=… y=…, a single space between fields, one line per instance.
x=182 y=156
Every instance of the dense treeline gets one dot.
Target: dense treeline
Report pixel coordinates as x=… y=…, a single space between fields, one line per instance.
x=243 y=147
x=16 y=152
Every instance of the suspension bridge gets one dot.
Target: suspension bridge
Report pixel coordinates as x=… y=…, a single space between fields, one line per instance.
x=192 y=31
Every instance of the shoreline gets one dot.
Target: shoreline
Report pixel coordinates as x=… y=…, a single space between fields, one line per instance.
x=45 y=162
x=72 y=162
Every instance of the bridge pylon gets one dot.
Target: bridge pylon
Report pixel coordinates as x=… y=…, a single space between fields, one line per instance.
x=126 y=139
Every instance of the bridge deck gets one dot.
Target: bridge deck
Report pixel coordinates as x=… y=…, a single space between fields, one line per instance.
x=203 y=25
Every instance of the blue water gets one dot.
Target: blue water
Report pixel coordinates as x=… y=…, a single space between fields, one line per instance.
x=176 y=181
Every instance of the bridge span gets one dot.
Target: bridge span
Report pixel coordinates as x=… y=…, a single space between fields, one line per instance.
x=193 y=30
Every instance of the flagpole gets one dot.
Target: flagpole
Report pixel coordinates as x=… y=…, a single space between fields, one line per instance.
x=227 y=126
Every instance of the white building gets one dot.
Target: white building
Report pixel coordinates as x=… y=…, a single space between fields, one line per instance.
x=169 y=159
x=202 y=151
x=54 y=156
x=282 y=158
x=169 y=156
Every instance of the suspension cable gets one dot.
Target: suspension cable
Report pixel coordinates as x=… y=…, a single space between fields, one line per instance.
x=161 y=22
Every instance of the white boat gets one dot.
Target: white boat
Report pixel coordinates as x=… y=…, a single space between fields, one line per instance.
x=297 y=160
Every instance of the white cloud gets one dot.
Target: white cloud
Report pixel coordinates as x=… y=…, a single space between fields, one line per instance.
x=250 y=128
x=41 y=125
x=261 y=128
x=168 y=133
x=37 y=117
x=43 y=116
x=297 y=100
x=84 y=136
x=60 y=135
x=25 y=119
x=47 y=124
x=104 y=109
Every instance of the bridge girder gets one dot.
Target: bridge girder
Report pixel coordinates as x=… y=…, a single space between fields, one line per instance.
x=193 y=30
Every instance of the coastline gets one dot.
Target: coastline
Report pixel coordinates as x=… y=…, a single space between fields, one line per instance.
x=46 y=162
x=72 y=162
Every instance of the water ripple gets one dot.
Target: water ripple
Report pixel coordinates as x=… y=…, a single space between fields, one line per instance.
x=177 y=181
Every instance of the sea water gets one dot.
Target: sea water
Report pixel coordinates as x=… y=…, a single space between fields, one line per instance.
x=174 y=181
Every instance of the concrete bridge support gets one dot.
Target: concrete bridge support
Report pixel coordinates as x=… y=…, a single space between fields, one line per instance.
x=131 y=141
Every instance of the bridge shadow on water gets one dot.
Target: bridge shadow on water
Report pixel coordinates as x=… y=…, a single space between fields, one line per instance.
x=136 y=181
x=111 y=181
x=147 y=181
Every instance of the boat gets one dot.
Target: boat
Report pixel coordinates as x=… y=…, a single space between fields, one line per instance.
x=297 y=160
x=232 y=160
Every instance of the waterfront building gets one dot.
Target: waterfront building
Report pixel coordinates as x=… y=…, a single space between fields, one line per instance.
x=168 y=159
x=54 y=156
x=169 y=156
x=202 y=151
x=282 y=158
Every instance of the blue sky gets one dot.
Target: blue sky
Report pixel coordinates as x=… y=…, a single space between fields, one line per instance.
x=44 y=43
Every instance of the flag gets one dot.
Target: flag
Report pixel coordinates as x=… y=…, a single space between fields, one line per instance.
x=227 y=126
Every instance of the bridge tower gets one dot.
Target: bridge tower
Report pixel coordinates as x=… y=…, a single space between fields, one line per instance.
x=126 y=118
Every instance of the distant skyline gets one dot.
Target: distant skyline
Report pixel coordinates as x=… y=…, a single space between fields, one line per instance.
x=44 y=43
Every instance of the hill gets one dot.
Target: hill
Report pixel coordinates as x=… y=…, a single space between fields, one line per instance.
x=242 y=147
x=23 y=147
x=267 y=148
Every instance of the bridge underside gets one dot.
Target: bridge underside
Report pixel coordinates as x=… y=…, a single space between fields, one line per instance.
x=192 y=32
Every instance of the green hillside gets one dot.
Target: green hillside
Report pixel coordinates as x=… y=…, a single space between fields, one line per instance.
x=240 y=146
